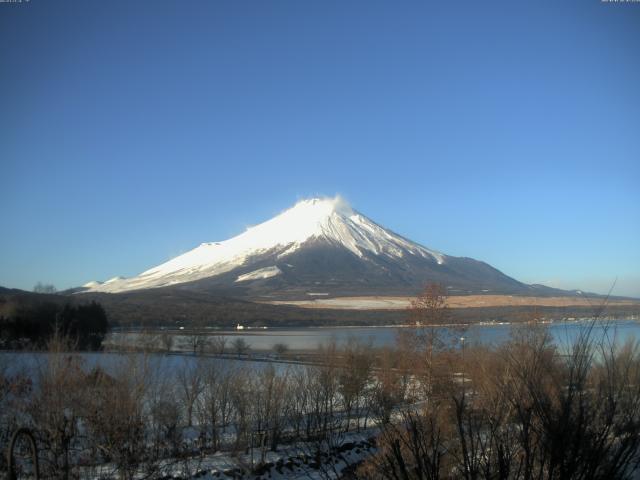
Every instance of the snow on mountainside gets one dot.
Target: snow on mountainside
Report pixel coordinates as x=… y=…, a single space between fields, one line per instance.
x=328 y=220
x=260 y=274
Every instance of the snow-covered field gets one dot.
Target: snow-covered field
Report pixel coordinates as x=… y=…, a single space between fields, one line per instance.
x=299 y=461
x=462 y=301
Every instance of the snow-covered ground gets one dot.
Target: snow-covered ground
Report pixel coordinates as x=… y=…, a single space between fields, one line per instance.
x=454 y=301
x=289 y=462
x=350 y=303
x=261 y=273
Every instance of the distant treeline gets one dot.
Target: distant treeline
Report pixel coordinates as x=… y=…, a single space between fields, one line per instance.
x=32 y=324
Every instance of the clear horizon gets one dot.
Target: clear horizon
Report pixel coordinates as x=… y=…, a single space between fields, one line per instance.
x=132 y=132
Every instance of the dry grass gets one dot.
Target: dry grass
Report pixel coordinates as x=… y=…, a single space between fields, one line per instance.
x=463 y=301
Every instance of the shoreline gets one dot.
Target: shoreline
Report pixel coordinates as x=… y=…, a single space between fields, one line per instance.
x=259 y=331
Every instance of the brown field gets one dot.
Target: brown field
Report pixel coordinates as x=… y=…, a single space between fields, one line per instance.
x=466 y=301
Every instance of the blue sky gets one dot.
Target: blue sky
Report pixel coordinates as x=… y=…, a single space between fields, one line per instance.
x=509 y=132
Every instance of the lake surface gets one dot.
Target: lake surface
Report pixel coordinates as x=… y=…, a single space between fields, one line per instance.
x=165 y=365
x=563 y=333
x=309 y=338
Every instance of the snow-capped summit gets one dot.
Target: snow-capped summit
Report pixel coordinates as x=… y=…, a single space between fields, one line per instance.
x=317 y=242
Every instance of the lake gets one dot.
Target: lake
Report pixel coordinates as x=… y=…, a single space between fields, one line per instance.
x=167 y=366
x=308 y=338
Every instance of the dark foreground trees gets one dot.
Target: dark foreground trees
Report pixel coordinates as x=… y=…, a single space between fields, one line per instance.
x=34 y=324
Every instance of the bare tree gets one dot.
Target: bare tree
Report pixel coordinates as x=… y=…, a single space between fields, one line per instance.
x=215 y=408
x=165 y=420
x=57 y=404
x=388 y=389
x=166 y=339
x=429 y=313
x=16 y=388
x=197 y=343
x=148 y=341
x=190 y=385
x=44 y=288
x=526 y=410
x=299 y=395
x=218 y=344
x=353 y=378
x=429 y=308
x=280 y=349
x=240 y=346
x=270 y=390
x=322 y=387
x=413 y=448
x=115 y=417
x=241 y=399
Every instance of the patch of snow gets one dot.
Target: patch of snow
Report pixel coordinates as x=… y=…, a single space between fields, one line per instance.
x=260 y=274
x=114 y=280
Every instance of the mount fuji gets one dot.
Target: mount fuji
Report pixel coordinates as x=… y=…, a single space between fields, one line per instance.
x=318 y=247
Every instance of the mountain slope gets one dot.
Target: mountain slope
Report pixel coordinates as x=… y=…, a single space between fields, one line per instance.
x=318 y=247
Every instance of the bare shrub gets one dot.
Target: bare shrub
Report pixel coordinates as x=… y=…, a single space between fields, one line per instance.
x=57 y=404
x=16 y=388
x=116 y=417
x=389 y=386
x=190 y=384
x=197 y=343
x=240 y=346
x=280 y=349
x=353 y=379
x=166 y=341
x=215 y=407
x=429 y=313
x=528 y=409
x=44 y=288
x=218 y=344
x=240 y=390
